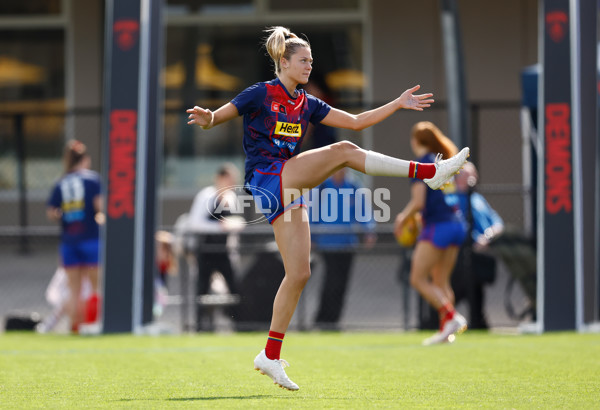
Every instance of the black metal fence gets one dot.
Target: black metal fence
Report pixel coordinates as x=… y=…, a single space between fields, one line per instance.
x=378 y=295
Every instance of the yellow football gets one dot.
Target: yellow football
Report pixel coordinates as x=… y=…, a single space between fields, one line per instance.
x=410 y=231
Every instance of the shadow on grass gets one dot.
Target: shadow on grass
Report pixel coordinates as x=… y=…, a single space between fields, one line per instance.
x=256 y=396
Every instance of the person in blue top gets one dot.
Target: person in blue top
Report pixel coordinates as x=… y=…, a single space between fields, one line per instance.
x=75 y=201
x=487 y=224
x=276 y=116
x=443 y=232
x=333 y=206
x=476 y=262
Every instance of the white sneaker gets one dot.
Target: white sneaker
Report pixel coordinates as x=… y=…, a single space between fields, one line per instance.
x=447 y=168
x=434 y=340
x=456 y=325
x=274 y=369
x=438 y=338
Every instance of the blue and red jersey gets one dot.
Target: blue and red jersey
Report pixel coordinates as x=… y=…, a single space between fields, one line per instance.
x=275 y=122
x=74 y=194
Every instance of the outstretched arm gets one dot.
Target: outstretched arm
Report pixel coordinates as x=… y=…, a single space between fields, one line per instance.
x=208 y=119
x=341 y=119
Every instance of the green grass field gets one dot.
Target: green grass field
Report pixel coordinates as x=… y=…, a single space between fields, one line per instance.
x=333 y=370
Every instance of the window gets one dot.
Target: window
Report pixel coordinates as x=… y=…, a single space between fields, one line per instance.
x=32 y=95
x=312 y=5
x=180 y=7
x=30 y=7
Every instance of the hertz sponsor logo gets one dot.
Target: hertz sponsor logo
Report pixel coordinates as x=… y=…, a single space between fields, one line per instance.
x=73 y=205
x=287 y=129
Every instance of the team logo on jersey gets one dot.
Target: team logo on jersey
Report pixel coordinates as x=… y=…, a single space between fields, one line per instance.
x=287 y=129
x=278 y=107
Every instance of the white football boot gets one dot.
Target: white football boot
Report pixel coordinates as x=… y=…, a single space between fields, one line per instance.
x=438 y=338
x=274 y=369
x=447 y=168
x=456 y=325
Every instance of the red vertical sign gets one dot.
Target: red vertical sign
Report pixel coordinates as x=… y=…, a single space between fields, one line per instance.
x=558 y=218
x=122 y=62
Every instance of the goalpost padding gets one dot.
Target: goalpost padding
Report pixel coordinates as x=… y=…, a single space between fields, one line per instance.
x=130 y=158
x=565 y=257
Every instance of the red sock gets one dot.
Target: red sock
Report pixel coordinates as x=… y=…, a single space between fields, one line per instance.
x=91 y=310
x=274 y=342
x=421 y=171
x=446 y=313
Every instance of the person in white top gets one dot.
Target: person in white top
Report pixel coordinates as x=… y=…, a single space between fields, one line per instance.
x=210 y=218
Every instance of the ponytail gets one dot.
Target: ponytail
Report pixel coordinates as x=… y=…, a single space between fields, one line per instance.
x=281 y=42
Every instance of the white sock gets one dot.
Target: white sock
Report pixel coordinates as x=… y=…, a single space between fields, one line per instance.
x=383 y=165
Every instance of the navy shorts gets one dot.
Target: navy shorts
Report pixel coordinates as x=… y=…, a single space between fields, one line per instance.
x=265 y=186
x=82 y=253
x=444 y=234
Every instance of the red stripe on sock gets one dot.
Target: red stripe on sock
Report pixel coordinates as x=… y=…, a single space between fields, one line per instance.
x=274 y=342
x=425 y=171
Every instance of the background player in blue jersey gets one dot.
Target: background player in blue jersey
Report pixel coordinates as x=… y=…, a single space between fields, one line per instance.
x=75 y=201
x=444 y=230
x=276 y=116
